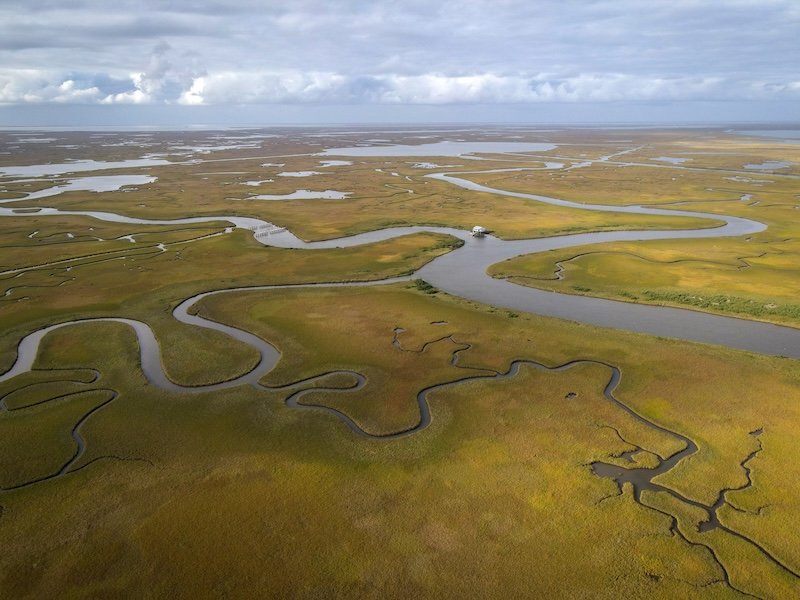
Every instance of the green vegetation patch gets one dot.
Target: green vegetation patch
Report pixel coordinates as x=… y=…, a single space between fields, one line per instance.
x=234 y=492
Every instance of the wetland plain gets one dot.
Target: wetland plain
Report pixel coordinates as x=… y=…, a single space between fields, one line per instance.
x=285 y=367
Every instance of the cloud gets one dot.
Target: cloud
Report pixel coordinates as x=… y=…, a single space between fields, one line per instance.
x=161 y=83
x=32 y=86
x=300 y=87
x=415 y=52
x=267 y=88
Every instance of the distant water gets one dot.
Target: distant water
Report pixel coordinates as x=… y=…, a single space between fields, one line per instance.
x=104 y=183
x=78 y=166
x=787 y=135
x=769 y=165
x=304 y=195
x=440 y=149
x=670 y=159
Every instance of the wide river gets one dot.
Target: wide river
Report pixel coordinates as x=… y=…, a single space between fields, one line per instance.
x=463 y=272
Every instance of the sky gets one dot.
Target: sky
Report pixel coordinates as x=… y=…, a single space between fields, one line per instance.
x=172 y=62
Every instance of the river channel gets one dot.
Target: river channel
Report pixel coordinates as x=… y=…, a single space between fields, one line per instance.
x=463 y=271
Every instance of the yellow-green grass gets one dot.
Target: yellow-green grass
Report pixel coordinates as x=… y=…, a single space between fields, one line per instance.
x=754 y=509
x=147 y=286
x=757 y=278
x=494 y=499
x=52 y=244
x=225 y=493
x=19 y=189
x=619 y=184
x=745 y=564
x=702 y=149
x=36 y=441
x=753 y=277
x=737 y=387
x=506 y=217
x=41 y=391
x=182 y=191
x=492 y=353
x=722 y=152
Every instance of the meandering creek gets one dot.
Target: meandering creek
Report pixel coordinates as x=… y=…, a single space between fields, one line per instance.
x=462 y=272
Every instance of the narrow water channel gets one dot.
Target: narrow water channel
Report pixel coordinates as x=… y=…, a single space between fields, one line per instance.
x=463 y=272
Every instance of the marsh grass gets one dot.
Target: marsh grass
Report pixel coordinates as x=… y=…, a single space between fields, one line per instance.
x=756 y=279
x=37 y=441
x=148 y=287
x=236 y=476
x=220 y=494
x=180 y=192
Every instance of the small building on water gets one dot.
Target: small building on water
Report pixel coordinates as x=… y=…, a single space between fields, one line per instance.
x=478 y=231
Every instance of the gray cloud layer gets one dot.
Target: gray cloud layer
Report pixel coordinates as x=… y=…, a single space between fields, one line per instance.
x=210 y=52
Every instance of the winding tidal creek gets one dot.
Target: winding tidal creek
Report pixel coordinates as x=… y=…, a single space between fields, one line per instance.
x=463 y=272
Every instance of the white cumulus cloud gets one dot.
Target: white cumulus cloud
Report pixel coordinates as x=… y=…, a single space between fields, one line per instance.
x=434 y=88
x=407 y=52
x=37 y=86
